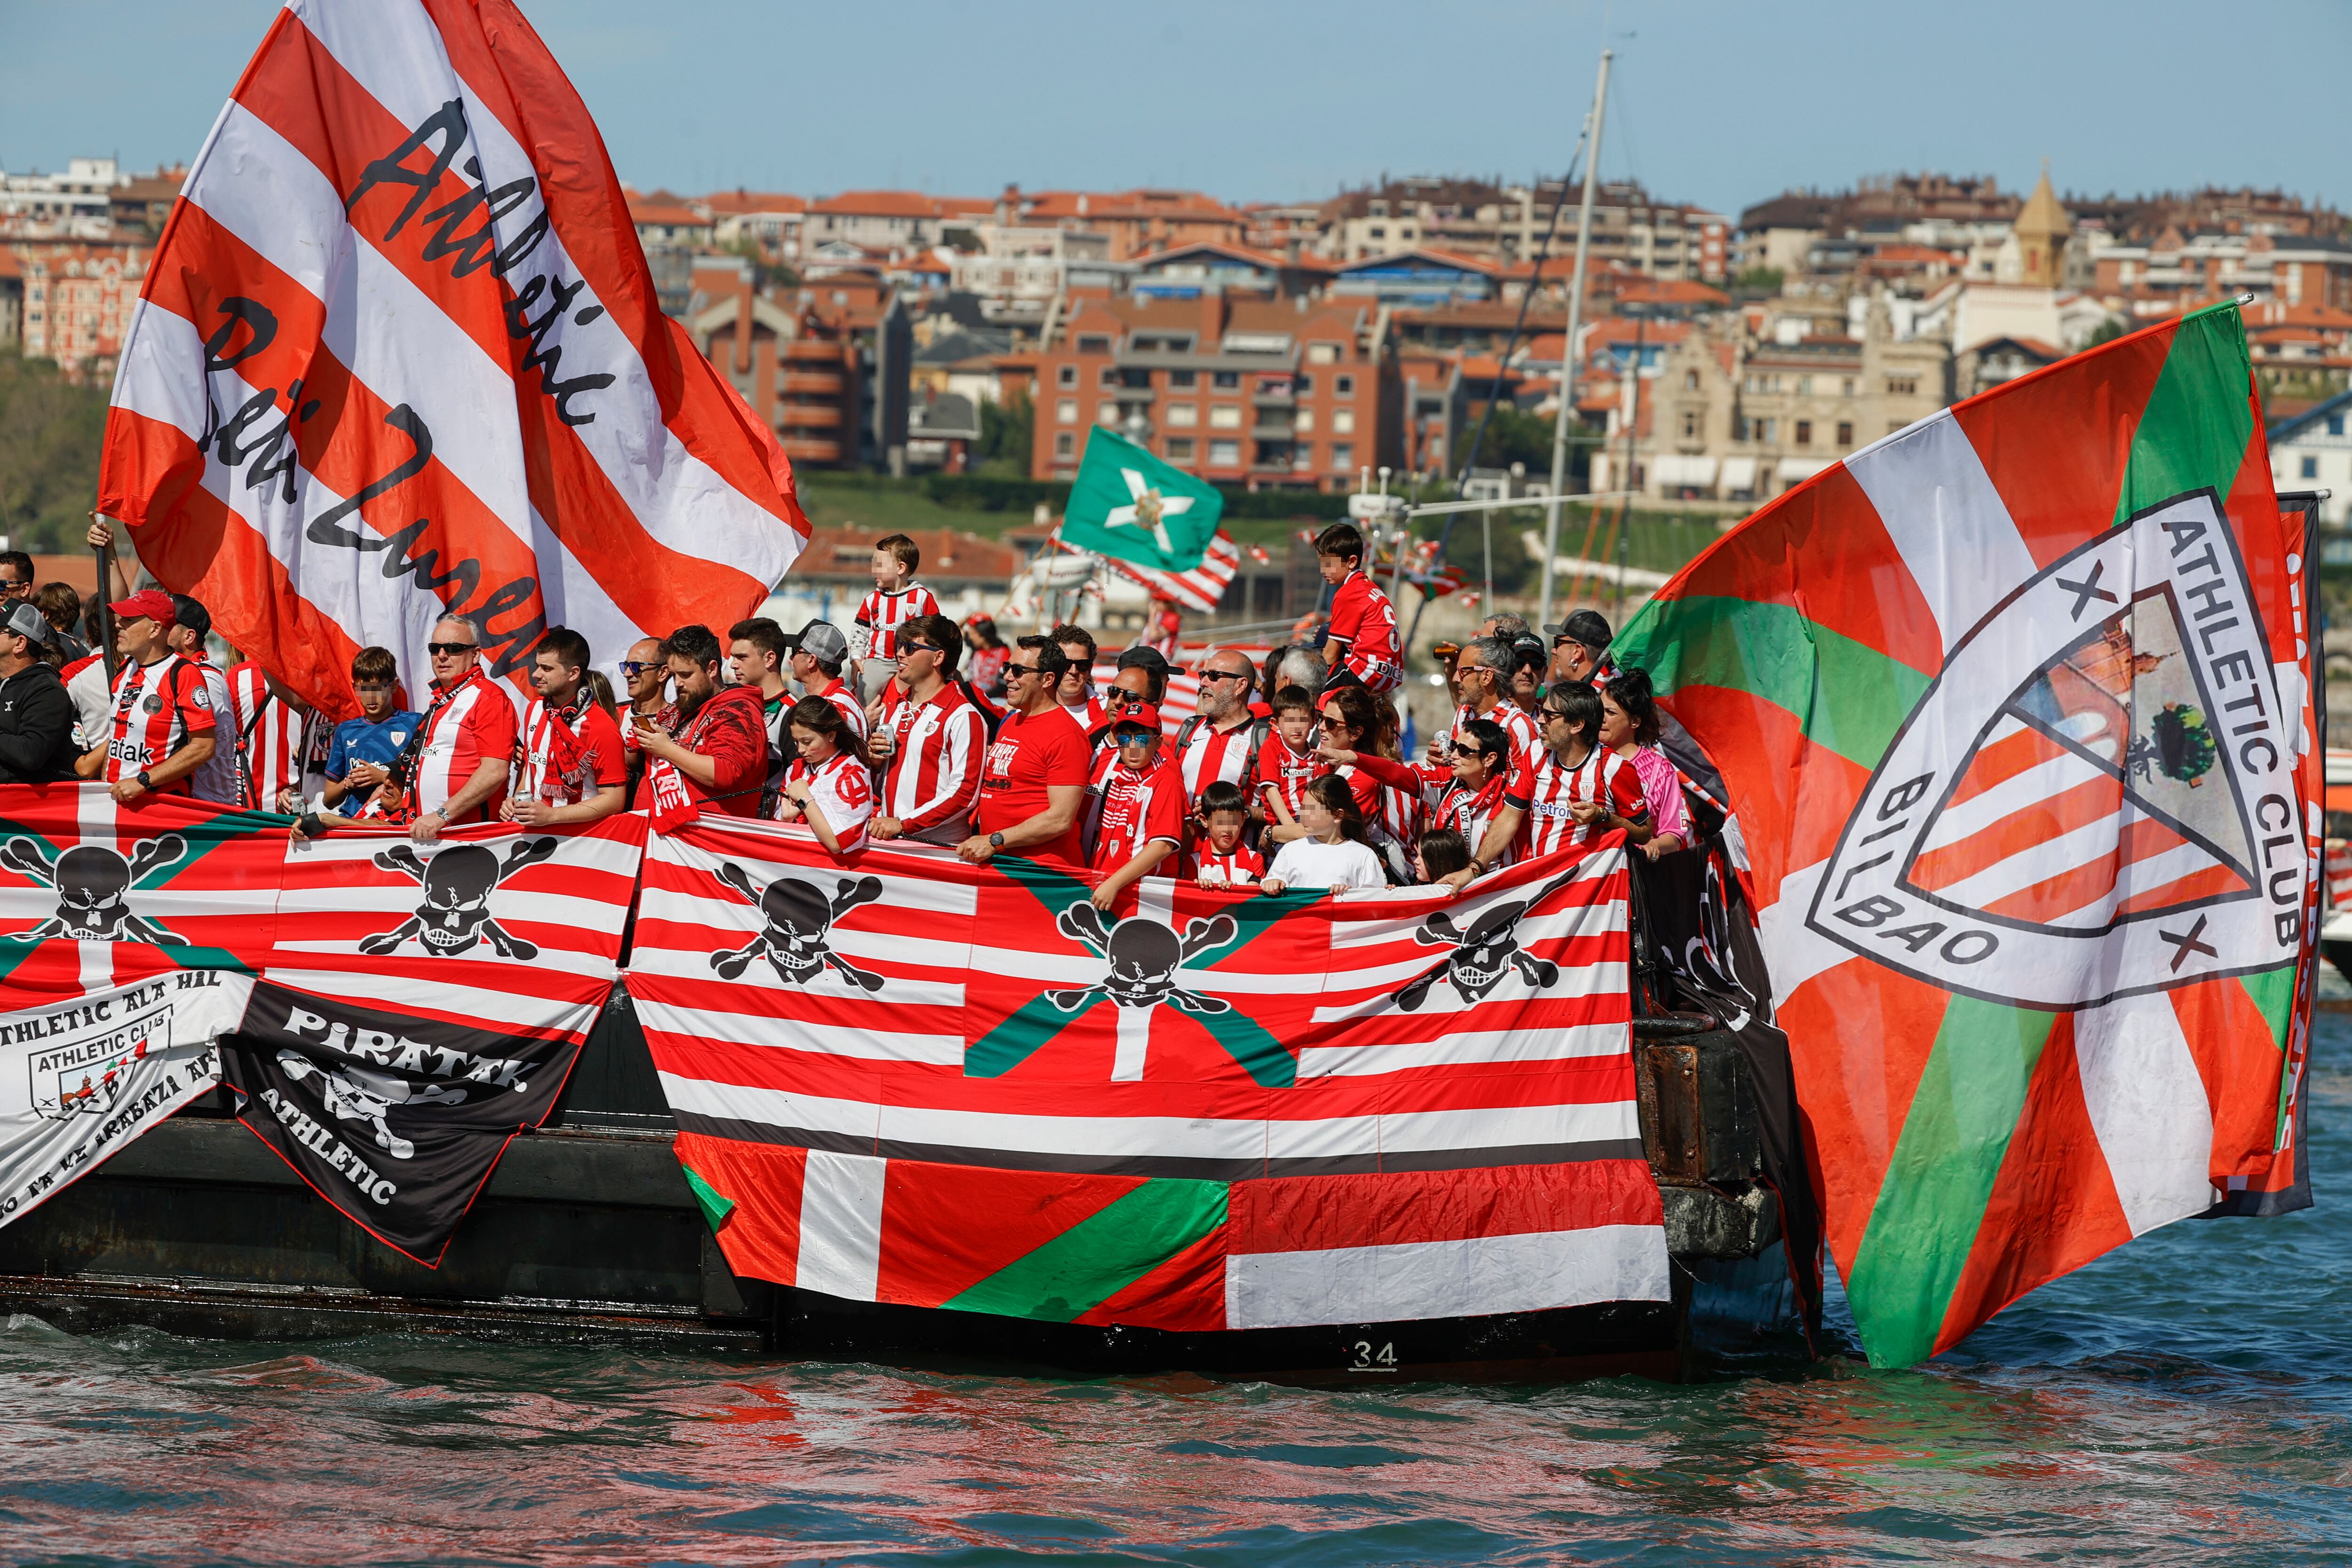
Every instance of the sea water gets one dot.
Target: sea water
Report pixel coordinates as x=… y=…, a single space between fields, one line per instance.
x=2185 y=1400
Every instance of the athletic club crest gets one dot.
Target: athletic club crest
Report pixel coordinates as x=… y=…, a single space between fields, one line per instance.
x=93 y=884
x=2096 y=797
x=455 y=917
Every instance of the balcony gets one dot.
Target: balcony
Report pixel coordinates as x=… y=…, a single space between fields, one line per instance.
x=806 y=450
x=819 y=415
x=811 y=382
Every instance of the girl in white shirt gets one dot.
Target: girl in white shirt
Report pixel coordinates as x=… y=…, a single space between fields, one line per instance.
x=829 y=788
x=1334 y=854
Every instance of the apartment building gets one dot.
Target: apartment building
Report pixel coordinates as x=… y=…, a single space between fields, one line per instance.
x=78 y=302
x=1241 y=389
x=769 y=219
x=887 y=220
x=1136 y=223
x=1506 y=225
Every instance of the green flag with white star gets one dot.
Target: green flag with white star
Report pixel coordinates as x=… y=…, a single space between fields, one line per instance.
x=1128 y=504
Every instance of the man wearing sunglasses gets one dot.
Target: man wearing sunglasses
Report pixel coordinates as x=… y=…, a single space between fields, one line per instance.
x=15 y=578
x=468 y=741
x=1578 y=643
x=1219 y=742
x=930 y=743
x=1035 y=775
x=645 y=674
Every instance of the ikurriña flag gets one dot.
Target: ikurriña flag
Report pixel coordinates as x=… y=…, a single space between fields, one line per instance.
x=914 y=1080
x=399 y=351
x=2014 y=710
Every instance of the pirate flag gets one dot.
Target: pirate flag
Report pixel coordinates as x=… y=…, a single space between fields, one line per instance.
x=426 y=1005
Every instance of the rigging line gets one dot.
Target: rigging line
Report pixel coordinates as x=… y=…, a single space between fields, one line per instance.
x=1478 y=436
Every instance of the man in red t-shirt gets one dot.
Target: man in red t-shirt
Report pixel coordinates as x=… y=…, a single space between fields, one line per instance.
x=1036 y=774
x=720 y=750
x=573 y=770
x=164 y=723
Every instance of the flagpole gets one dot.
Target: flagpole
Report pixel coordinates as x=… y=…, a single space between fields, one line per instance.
x=1568 y=348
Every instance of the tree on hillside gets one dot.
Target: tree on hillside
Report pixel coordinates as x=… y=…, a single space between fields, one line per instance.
x=1513 y=435
x=1008 y=431
x=50 y=434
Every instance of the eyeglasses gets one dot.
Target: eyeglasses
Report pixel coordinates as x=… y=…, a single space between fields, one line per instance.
x=1336 y=724
x=1135 y=737
x=1224 y=675
x=1012 y=669
x=451 y=649
x=16 y=587
x=1558 y=714
x=921 y=647
x=1116 y=698
x=632 y=667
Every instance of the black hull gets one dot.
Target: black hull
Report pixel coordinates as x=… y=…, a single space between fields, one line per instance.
x=587 y=1232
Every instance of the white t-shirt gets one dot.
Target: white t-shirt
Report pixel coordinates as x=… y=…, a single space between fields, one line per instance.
x=1307 y=863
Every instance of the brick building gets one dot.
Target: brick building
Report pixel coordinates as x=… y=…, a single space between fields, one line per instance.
x=1240 y=388
x=1135 y=223
x=78 y=300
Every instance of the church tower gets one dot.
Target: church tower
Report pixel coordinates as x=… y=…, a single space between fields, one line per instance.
x=2042 y=230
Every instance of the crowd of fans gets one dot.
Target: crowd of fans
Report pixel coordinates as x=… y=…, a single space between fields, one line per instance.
x=1289 y=774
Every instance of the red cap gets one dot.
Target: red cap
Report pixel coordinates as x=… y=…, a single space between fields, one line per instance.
x=1142 y=715
x=152 y=602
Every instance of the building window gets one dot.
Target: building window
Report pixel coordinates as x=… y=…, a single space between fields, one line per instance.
x=1066 y=375
x=2335 y=424
x=1066 y=412
x=1767 y=431
x=1804 y=432
x=1343 y=422
x=1846 y=433
x=1092 y=345
x=1343 y=457
x=1900 y=386
x=1690 y=425
x=1343 y=386
x=1065 y=444
x=1846 y=387
x=1305 y=422
x=1225 y=380
x=1224 y=454
x=1108 y=376
x=1690 y=381
x=1225 y=417
x=1182 y=379
x=1804 y=387
x=2311 y=468
x=1301 y=384
x=1322 y=353
x=1105 y=413
x=1186 y=415
x=1179 y=448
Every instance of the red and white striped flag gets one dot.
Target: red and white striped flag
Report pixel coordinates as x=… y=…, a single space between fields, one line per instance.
x=1217 y=1112
x=398 y=352
x=1199 y=589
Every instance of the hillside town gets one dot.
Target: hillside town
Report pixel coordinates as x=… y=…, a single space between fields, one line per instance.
x=1719 y=358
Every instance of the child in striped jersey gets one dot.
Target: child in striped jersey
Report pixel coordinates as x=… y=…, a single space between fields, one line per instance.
x=1218 y=857
x=1288 y=764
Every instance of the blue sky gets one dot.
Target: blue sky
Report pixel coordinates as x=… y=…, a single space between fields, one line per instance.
x=1718 y=102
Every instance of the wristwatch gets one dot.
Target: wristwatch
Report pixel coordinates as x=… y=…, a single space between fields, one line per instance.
x=996 y=841
x=145 y=781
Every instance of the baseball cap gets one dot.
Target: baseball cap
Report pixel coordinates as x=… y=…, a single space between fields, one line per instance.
x=1589 y=627
x=1142 y=716
x=192 y=615
x=152 y=602
x=26 y=621
x=1144 y=657
x=821 y=640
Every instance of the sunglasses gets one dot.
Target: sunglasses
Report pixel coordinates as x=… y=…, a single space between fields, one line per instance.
x=16 y=587
x=922 y=647
x=1224 y=675
x=1013 y=669
x=1335 y=724
x=1128 y=737
x=1115 y=698
x=1558 y=713
x=451 y=649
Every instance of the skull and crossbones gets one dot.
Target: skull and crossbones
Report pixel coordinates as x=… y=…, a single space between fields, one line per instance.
x=90 y=880
x=798 y=918
x=356 y=1094
x=456 y=913
x=1482 y=955
x=1144 y=956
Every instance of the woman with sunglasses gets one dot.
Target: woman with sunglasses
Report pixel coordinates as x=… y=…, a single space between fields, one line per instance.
x=1354 y=729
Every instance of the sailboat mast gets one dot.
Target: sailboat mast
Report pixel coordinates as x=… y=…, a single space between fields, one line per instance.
x=1567 y=350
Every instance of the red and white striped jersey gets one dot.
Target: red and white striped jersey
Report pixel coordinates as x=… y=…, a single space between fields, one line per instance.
x=1134 y=810
x=1471 y=812
x=881 y=614
x=1286 y=772
x=1545 y=792
x=1517 y=722
x=1388 y=811
x=1240 y=866
x=94 y=701
x=469 y=723
x=217 y=778
x=934 y=769
x=842 y=790
x=566 y=758
x=1211 y=755
x=851 y=713
x=279 y=748
x=158 y=709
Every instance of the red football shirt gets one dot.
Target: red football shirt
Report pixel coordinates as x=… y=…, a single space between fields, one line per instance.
x=1031 y=753
x=1364 y=624
x=1136 y=809
x=565 y=761
x=158 y=709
